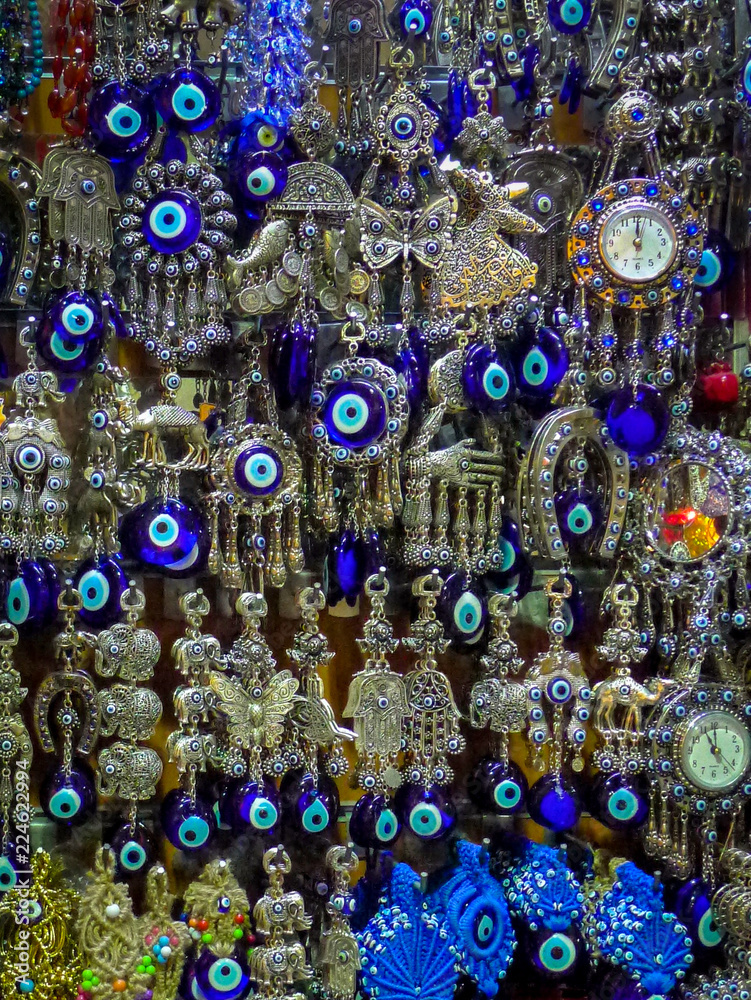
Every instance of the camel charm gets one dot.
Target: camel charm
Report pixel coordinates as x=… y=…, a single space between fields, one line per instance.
x=156 y=422
x=622 y=690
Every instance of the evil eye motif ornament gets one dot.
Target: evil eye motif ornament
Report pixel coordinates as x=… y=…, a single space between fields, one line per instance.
x=122 y=120
x=636 y=243
x=187 y=100
x=176 y=229
x=71 y=335
x=166 y=535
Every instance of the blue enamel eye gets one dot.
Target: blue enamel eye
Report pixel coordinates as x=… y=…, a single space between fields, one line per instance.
x=263 y=814
x=355 y=414
x=462 y=609
x=29 y=458
x=542 y=364
x=225 y=974
x=165 y=534
x=315 y=817
x=122 y=120
x=219 y=978
x=18 y=604
x=172 y=222
x=559 y=690
x=94 y=590
x=132 y=857
x=387 y=826
x=579 y=520
x=8 y=874
x=486 y=379
x=507 y=794
x=187 y=100
x=261 y=176
x=623 y=805
x=164 y=531
x=708 y=931
x=259 y=134
x=543 y=203
x=416 y=16
x=258 y=470
x=404 y=126
x=65 y=804
x=557 y=954
x=570 y=16
x=535 y=368
x=425 y=820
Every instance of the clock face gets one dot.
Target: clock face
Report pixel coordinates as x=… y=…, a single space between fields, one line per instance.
x=638 y=243
x=715 y=751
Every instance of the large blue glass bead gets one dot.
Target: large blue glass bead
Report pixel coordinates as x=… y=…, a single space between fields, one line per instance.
x=498 y=787
x=256 y=805
x=355 y=413
x=510 y=569
x=218 y=978
x=541 y=364
x=8 y=868
x=554 y=803
x=412 y=362
x=374 y=823
x=258 y=471
x=619 y=801
x=463 y=609
x=189 y=824
x=570 y=16
x=579 y=513
x=122 y=120
x=292 y=363
x=637 y=418
x=101 y=582
x=487 y=379
x=717 y=263
x=27 y=597
x=172 y=221
x=75 y=316
x=134 y=849
x=428 y=813
x=166 y=535
x=416 y=16
x=693 y=907
x=64 y=355
x=310 y=806
x=554 y=954
x=69 y=798
x=260 y=177
x=187 y=100
x=347 y=566
x=259 y=133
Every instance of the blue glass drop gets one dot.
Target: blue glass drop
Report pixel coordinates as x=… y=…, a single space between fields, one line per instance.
x=101 y=582
x=412 y=362
x=637 y=418
x=428 y=813
x=166 y=535
x=292 y=362
x=122 y=120
x=134 y=849
x=187 y=100
x=619 y=801
x=462 y=607
x=68 y=796
x=348 y=566
x=487 y=379
x=579 y=513
x=374 y=822
x=220 y=977
x=189 y=824
x=554 y=803
x=541 y=364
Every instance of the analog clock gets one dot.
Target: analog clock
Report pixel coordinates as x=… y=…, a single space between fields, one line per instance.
x=715 y=751
x=636 y=243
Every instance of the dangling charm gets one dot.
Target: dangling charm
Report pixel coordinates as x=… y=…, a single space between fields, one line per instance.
x=163 y=939
x=340 y=955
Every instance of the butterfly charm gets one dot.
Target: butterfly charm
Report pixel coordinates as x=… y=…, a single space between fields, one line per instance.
x=386 y=236
x=255 y=716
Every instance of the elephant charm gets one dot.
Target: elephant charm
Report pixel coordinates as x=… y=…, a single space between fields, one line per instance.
x=131 y=772
x=189 y=751
x=499 y=704
x=131 y=713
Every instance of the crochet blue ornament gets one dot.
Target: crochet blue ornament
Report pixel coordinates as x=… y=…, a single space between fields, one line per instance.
x=478 y=918
x=405 y=950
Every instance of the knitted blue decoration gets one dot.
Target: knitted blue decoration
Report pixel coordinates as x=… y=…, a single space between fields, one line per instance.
x=405 y=950
x=541 y=889
x=478 y=918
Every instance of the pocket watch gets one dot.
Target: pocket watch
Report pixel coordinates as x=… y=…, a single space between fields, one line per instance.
x=636 y=243
x=702 y=747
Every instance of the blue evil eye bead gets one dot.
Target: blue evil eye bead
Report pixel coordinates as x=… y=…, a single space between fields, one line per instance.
x=554 y=954
x=166 y=535
x=68 y=796
x=77 y=316
x=554 y=803
x=171 y=222
x=259 y=133
x=637 y=418
x=416 y=17
x=8 y=869
x=745 y=81
x=355 y=414
x=187 y=100
x=412 y=362
x=256 y=805
x=292 y=362
x=579 y=513
x=716 y=265
x=189 y=824
x=71 y=334
x=101 y=582
x=26 y=595
x=510 y=570
x=310 y=805
x=134 y=849
x=693 y=906
x=122 y=121
x=347 y=567
x=487 y=379
x=374 y=823
x=258 y=471
x=498 y=787
x=260 y=177
x=218 y=978
x=570 y=16
x=428 y=813
x=618 y=801
x=541 y=364
x=463 y=609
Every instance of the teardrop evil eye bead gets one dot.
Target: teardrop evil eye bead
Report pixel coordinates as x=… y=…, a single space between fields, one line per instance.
x=292 y=363
x=374 y=823
x=428 y=813
x=618 y=801
x=187 y=100
x=166 y=535
x=221 y=978
x=717 y=263
x=122 y=120
x=637 y=418
x=101 y=582
x=69 y=797
x=412 y=362
x=134 y=849
x=310 y=805
x=487 y=379
x=27 y=598
x=260 y=177
x=498 y=787
x=579 y=513
x=692 y=905
x=554 y=803
x=257 y=806
x=570 y=16
x=554 y=954
x=189 y=824
x=541 y=364
x=463 y=609
x=415 y=17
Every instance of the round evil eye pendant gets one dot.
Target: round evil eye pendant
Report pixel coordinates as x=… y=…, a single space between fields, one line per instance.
x=256 y=806
x=68 y=795
x=134 y=849
x=122 y=120
x=172 y=221
x=498 y=787
x=554 y=954
x=188 y=823
x=260 y=177
x=618 y=801
x=463 y=609
x=428 y=813
x=570 y=16
x=259 y=133
x=487 y=379
x=580 y=514
x=541 y=364
x=415 y=17
x=101 y=582
x=166 y=535
x=71 y=334
x=187 y=100
x=30 y=595
x=221 y=977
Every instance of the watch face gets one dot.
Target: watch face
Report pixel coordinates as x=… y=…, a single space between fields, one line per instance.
x=715 y=751
x=638 y=243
